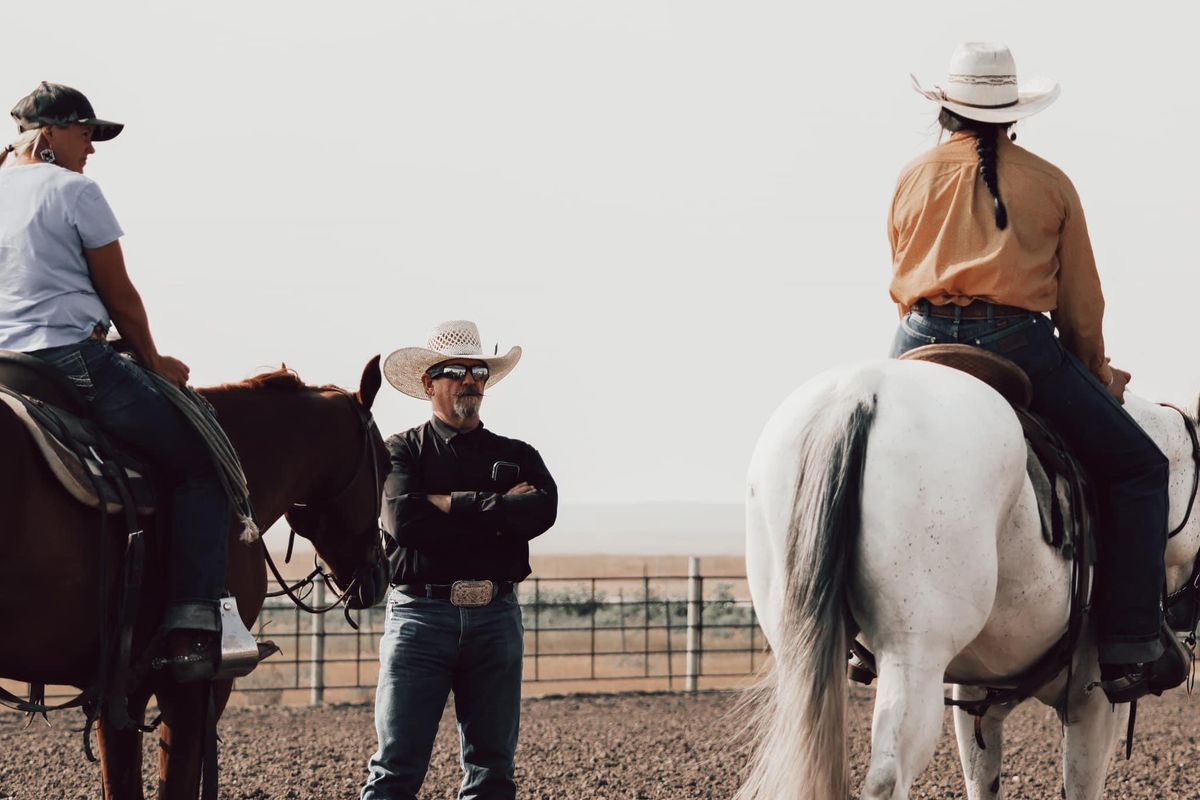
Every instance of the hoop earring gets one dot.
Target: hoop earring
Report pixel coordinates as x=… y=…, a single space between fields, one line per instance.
x=47 y=155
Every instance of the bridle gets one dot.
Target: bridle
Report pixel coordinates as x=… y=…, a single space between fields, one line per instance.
x=299 y=591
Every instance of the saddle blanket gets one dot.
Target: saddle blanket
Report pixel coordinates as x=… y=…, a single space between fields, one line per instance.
x=79 y=475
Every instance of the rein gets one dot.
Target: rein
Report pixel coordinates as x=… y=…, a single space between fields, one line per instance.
x=1191 y=429
x=296 y=592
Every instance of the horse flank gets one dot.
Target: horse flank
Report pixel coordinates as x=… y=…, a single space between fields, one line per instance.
x=799 y=714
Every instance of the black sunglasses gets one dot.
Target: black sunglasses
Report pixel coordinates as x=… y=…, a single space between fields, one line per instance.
x=458 y=372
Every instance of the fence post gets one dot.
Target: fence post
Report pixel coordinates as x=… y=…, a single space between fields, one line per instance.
x=316 y=695
x=695 y=623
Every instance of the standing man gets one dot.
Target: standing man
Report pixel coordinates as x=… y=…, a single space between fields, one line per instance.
x=460 y=506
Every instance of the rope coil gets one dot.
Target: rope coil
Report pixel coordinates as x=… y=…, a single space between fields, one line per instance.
x=203 y=417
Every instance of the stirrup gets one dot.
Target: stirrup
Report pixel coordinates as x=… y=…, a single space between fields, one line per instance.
x=1171 y=668
x=1181 y=611
x=1155 y=677
x=239 y=651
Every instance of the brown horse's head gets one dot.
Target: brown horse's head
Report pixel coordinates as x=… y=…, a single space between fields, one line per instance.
x=342 y=520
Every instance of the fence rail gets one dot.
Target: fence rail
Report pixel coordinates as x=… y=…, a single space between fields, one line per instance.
x=581 y=634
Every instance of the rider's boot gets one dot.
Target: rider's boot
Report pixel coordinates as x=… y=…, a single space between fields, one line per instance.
x=192 y=655
x=195 y=655
x=1123 y=683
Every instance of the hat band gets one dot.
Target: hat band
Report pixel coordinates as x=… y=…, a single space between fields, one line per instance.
x=983 y=80
x=949 y=99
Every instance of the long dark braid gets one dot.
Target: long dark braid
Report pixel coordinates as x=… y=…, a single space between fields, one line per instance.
x=985 y=146
x=986 y=135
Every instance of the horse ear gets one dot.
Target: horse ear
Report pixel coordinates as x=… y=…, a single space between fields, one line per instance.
x=368 y=387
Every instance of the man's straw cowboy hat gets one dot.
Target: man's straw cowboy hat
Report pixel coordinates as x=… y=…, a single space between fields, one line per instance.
x=982 y=85
x=447 y=341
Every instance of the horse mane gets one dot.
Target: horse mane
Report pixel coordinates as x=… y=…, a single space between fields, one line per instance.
x=283 y=379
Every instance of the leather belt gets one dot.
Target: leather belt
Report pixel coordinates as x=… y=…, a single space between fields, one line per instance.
x=977 y=309
x=444 y=591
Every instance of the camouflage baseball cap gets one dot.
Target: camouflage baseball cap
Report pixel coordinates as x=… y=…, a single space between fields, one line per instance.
x=55 y=104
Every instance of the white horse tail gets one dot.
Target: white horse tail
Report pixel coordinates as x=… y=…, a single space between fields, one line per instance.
x=801 y=751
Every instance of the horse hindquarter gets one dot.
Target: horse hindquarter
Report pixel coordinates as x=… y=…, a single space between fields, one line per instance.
x=943 y=466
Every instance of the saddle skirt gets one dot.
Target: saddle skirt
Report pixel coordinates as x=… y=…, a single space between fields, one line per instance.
x=78 y=454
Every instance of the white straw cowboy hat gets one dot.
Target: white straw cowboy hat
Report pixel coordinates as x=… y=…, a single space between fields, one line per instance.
x=448 y=340
x=982 y=85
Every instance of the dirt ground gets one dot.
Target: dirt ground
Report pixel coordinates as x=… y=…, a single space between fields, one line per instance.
x=627 y=747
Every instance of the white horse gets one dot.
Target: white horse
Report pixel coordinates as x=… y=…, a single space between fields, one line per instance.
x=898 y=490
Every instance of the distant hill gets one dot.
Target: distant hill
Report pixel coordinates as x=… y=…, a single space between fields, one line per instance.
x=690 y=529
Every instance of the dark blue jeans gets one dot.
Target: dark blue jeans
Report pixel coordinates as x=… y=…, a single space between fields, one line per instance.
x=128 y=406
x=430 y=648
x=1127 y=470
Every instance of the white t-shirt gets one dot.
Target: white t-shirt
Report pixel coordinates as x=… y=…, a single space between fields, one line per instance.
x=48 y=217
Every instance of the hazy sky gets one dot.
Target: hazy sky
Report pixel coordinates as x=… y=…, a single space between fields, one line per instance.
x=677 y=208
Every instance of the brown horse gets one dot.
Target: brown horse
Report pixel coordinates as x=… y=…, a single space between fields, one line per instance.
x=310 y=453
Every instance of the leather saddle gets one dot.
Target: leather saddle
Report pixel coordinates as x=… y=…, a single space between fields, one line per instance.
x=77 y=452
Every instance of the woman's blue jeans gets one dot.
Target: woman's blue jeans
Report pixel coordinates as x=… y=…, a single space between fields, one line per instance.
x=1125 y=467
x=430 y=648
x=130 y=408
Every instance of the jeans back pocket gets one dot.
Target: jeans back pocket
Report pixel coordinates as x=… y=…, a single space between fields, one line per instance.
x=71 y=364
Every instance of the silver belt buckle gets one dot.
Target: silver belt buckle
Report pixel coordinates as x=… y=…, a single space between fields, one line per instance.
x=471 y=594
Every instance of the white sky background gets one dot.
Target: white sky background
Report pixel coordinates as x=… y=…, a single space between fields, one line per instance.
x=677 y=208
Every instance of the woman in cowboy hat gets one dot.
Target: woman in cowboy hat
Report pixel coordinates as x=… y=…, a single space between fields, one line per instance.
x=987 y=239
x=63 y=282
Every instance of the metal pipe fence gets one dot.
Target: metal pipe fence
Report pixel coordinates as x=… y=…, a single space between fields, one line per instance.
x=584 y=633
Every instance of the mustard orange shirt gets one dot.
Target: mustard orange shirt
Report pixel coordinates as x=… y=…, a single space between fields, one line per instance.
x=946 y=247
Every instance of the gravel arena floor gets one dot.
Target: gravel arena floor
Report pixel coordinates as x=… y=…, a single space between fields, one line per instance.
x=635 y=746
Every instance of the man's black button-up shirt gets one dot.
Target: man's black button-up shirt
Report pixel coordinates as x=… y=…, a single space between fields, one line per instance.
x=486 y=534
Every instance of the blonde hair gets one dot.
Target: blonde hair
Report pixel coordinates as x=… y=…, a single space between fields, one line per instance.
x=25 y=143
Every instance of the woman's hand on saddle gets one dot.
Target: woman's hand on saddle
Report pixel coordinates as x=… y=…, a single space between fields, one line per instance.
x=1120 y=379
x=172 y=369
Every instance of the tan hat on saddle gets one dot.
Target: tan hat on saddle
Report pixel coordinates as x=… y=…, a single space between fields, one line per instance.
x=448 y=340
x=982 y=85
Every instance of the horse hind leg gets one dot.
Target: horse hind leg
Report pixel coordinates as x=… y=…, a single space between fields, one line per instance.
x=981 y=767
x=906 y=726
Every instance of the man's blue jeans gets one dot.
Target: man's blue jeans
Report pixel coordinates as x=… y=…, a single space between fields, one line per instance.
x=1127 y=470
x=131 y=409
x=430 y=648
